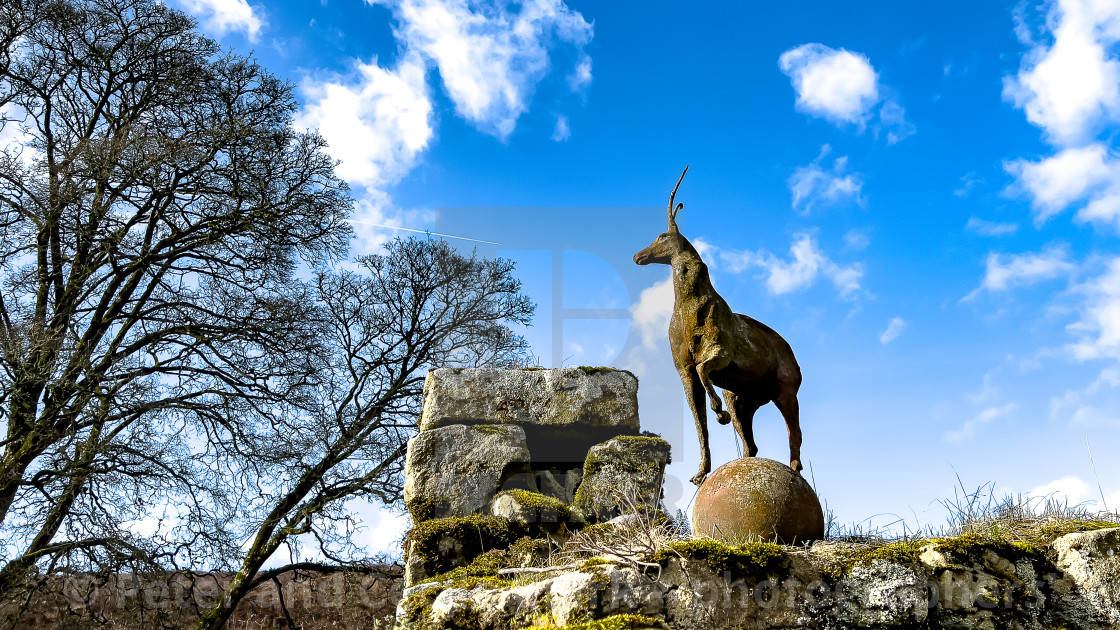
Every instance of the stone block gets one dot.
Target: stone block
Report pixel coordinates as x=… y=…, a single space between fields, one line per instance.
x=622 y=475
x=457 y=470
x=563 y=411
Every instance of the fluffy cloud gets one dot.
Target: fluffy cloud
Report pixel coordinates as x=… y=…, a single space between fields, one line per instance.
x=1071 y=490
x=838 y=85
x=1099 y=326
x=651 y=313
x=971 y=426
x=376 y=121
x=1069 y=85
x=1003 y=272
x=489 y=57
x=894 y=329
x=561 y=132
x=223 y=16
x=842 y=87
x=814 y=186
x=1089 y=175
x=990 y=228
x=801 y=271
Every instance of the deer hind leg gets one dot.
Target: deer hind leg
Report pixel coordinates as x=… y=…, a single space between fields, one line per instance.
x=742 y=418
x=694 y=392
x=787 y=404
x=704 y=371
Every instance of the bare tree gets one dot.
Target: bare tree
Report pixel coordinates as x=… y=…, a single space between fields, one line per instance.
x=152 y=211
x=420 y=304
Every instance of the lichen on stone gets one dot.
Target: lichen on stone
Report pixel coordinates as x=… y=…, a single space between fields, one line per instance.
x=617 y=622
x=755 y=559
x=473 y=536
x=425 y=508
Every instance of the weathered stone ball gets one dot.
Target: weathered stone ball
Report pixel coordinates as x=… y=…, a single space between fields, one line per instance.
x=753 y=498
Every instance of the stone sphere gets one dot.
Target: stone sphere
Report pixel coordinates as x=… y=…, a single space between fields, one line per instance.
x=752 y=498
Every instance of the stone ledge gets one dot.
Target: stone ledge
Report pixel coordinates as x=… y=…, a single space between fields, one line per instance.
x=949 y=583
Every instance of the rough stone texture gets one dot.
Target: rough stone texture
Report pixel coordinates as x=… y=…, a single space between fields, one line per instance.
x=1091 y=560
x=573 y=597
x=944 y=586
x=620 y=475
x=560 y=486
x=756 y=497
x=457 y=470
x=573 y=404
x=528 y=508
x=887 y=594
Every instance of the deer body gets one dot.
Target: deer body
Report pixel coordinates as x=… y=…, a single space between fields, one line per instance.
x=715 y=347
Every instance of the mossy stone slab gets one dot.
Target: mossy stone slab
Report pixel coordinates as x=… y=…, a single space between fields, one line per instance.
x=457 y=470
x=622 y=475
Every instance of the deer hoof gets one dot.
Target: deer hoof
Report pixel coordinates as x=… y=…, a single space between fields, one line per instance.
x=699 y=478
x=723 y=417
x=796 y=466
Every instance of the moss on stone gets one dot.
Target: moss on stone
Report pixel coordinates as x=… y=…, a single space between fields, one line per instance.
x=418 y=606
x=528 y=551
x=973 y=547
x=591 y=563
x=489 y=429
x=906 y=552
x=474 y=535
x=618 y=622
x=425 y=508
x=540 y=503
x=587 y=369
x=642 y=454
x=1053 y=531
x=755 y=559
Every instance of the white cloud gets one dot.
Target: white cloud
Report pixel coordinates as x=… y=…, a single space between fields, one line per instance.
x=856 y=240
x=581 y=77
x=968 y=182
x=651 y=313
x=1099 y=326
x=561 y=132
x=1068 y=489
x=490 y=58
x=837 y=85
x=1072 y=490
x=842 y=87
x=1090 y=173
x=892 y=117
x=806 y=265
x=376 y=121
x=813 y=186
x=1004 y=272
x=970 y=427
x=1069 y=85
x=990 y=228
x=894 y=329
x=223 y=16
x=15 y=135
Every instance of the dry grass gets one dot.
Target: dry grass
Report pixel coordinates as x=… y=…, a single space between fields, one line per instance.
x=981 y=514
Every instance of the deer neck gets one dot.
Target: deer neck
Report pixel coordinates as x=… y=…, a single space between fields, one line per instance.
x=691 y=284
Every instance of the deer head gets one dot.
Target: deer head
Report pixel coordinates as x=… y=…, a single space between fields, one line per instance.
x=662 y=249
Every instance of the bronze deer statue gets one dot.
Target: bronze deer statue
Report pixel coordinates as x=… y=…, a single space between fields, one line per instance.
x=713 y=346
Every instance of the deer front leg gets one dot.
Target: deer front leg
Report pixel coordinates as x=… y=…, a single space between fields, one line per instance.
x=742 y=418
x=694 y=392
x=787 y=404
x=704 y=371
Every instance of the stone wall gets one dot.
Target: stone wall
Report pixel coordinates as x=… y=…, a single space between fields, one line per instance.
x=1073 y=582
x=512 y=465
x=545 y=452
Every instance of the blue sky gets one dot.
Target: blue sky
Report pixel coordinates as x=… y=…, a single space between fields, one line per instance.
x=923 y=199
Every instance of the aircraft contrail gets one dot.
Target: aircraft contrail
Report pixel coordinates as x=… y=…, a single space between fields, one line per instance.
x=397 y=227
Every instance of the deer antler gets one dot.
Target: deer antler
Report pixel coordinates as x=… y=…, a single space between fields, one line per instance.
x=673 y=211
